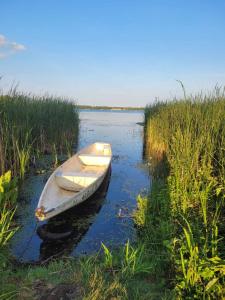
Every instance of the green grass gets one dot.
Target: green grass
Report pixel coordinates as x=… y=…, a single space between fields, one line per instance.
x=8 y=199
x=185 y=143
x=127 y=276
x=179 y=253
x=33 y=125
x=30 y=126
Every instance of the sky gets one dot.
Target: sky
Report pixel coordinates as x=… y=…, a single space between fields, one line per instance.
x=112 y=52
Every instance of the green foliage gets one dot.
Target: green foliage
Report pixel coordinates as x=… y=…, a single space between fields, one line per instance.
x=187 y=137
x=8 y=197
x=6 y=232
x=155 y=233
x=140 y=214
x=198 y=275
x=31 y=125
x=134 y=261
x=130 y=260
x=23 y=154
x=8 y=191
x=108 y=259
x=9 y=295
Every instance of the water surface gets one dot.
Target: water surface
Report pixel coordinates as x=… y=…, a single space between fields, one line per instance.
x=106 y=217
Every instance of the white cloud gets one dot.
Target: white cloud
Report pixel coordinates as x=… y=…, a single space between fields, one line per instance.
x=8 y=48
x=2 y=40
x=18 y=47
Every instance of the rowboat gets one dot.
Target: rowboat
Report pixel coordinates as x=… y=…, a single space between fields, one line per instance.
x=66 y=226
x=74 y=181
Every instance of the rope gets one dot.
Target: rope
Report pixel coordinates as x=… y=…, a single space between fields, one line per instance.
x=28 y=243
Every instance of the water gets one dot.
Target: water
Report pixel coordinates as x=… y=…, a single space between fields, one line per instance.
x=106 y=217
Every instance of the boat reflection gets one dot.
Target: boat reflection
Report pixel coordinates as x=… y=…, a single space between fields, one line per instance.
x=61 y=233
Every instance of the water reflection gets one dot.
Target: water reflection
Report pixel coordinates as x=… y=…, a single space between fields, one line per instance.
x=87 y=230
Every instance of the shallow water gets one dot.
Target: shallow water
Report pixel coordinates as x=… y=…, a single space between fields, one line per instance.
x=106 y=217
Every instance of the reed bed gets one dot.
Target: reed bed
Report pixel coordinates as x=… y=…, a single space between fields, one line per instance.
x=29 y=127
x=185 y=141
x=33 y=125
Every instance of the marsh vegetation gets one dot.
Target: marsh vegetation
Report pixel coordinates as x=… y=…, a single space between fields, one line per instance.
x=185 y=142
x=179 y=252
x=31 y=126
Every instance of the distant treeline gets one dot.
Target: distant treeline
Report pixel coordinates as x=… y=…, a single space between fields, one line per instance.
x=109 y=107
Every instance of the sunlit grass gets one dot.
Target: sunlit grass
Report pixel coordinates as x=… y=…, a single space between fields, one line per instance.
x=185 y=140
x=32 y=125
x=179 y=252
x=8 y=197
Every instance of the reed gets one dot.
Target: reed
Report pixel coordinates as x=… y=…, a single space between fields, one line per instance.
x=33 y=125
x=187 y=139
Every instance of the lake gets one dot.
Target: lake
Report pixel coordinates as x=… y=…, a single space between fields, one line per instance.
x=106 y=217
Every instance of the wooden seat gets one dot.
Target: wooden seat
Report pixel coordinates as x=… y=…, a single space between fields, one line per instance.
x=94 y=159
x=74 y=181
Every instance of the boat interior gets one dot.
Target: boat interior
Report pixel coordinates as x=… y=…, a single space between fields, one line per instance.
x=83 y=169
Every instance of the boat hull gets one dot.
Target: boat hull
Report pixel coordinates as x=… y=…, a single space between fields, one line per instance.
x=86 y=170
x=77 y=199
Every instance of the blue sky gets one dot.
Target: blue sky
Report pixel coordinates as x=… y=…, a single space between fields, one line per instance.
x=118 y=52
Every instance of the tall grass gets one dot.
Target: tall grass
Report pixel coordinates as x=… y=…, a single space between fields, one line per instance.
x=31 y=125
x=8 y=197
x=186 y=140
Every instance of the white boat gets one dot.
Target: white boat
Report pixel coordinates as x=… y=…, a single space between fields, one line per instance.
x=74 y=181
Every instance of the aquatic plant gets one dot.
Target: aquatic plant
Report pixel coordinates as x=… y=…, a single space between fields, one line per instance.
x=23 y=154
x=134 y=261
x=33 y=125
x=139 y=215
x=186 y=140
x=108 y=258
